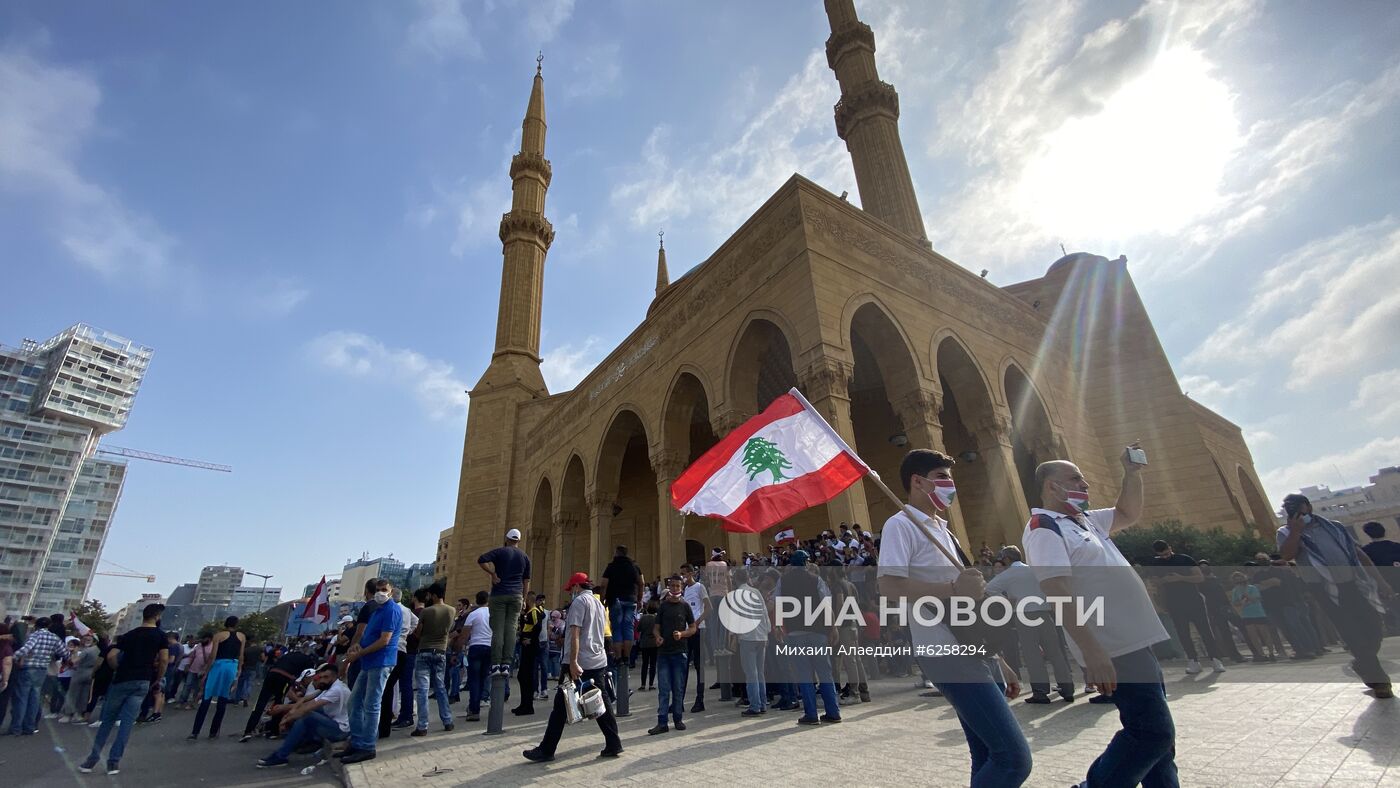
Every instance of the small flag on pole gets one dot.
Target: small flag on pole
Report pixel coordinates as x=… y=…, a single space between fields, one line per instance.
x=785 y=535
x=318 y=605
x=772 y=466
x=77 y=623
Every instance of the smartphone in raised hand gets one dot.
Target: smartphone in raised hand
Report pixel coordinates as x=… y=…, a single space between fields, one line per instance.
x=1137 y=456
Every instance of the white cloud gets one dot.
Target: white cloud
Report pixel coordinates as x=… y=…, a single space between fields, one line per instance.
x=478 y=211
x=721 y=185
x=543 y=18
x=1210 y=392
x=444 y=29
x=595 y=73
x=432 y=382
x=48 y=115
x=1327 y=309
x=1378 y=396
x=565 y=365
x=1354 y=466
x=278 y=295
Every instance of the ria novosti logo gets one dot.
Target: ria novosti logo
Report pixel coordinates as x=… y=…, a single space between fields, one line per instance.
x=742 y=610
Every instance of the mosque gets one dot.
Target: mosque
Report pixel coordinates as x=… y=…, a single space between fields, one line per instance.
x=898 y=346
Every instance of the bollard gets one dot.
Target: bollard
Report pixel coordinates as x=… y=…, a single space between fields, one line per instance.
x=724 y=672
x=496 y=716
x=623 y=701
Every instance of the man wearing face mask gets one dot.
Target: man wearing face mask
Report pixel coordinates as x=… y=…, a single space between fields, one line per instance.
x=321 y=715
x=1344 y=582
x=376 y=653
x=584 y=659
x=1069 y=548
x=674 y=625
x=912 y=567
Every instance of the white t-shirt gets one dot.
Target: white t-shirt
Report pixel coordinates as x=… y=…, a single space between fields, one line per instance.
x=1097 y=570
x=337 y=698
x=479 y=622
x=695 y=596
x=906 y=552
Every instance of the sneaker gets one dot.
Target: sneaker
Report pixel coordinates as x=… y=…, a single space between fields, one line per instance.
x=154 y=718
x=537 y=756
x=865 y=696
x=928 y=684
x=829 y=718
x=1216 y=666
x=680 y=726
x=419 y=732
x=81 y=721
x=1067 y=693
x=698 y=707
x=403 y=724
x=1383 y=691
x=271 y=761
x=1101 y=698
x=51 y=716
x=87 y=766
x=808 y=721
x=1038 y=698
x=357 y=757
x=660 y=728
x=64 y=719
x=113 y=769
x=1192 y=667
x=245 y=738
x=348 y=752
x=750 y=713
x=192 y=737
x=447 y=726
x=473 y=718
x=97 y=724
x=790 y=707
x=610 y=753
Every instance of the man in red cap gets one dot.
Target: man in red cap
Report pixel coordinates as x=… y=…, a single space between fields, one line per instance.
x=584 y=660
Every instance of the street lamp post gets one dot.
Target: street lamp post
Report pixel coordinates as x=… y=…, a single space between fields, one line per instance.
x=264 y=588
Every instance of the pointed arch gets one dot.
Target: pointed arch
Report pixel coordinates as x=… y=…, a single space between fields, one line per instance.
x=572 y=515
x=862 y=305
x=686 y=418
x=1259 y=510
x=885 y=370
x=626 y=507
x=539 y=541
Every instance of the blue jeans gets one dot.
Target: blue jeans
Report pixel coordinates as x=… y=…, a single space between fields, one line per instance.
x=428 y=673
x=1000 y=754
x=554 y=662
x=365 y=700
x=454 y=675
x=25 y=701
x=624 y=620
x=1144 y=751
x=245 y=685
x=671 y=672
x=478 y=671
x=122 y=703
x=542 y=669
x=804 y=667
x=316 y=726
x=751 y=657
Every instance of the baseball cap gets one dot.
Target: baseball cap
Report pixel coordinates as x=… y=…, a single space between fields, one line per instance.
x=513 y=534
x=576 y=579
x=798 y=558
x=347 y=619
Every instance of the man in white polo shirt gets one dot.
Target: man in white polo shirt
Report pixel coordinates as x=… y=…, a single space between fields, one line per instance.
x=1068 y=546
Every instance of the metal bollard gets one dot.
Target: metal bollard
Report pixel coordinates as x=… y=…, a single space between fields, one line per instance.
x=623 y=701
x=496 y=716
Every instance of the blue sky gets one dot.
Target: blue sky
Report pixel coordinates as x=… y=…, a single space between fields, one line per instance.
x=296 y=206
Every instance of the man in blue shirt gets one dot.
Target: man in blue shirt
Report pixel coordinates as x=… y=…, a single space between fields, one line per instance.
x=376 y=652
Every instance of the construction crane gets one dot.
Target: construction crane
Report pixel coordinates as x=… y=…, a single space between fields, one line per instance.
x=118 y=451
x=128 y=573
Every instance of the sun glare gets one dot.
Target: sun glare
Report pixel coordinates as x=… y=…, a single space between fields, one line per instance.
x=1149 y=162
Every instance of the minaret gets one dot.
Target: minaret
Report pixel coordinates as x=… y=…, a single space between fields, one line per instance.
x=867 y=118
x=525 y=238
x=663 y=277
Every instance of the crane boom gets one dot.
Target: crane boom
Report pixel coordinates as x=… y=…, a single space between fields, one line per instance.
x=119 y=451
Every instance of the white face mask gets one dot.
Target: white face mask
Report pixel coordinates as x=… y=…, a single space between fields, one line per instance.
x=381 y=596
x=942 y=494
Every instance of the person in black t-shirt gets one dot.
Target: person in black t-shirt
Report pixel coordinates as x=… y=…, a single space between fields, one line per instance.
x=622 y=585
x=282 y=673
x=1283 y=595
x=1381 y=551
x=1178 y=582
x=138 y=657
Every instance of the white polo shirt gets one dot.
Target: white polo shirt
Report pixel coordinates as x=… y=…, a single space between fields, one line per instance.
x=1084 y=552
x=905 y=551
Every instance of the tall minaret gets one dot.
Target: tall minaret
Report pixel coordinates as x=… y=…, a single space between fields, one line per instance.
x=663 y=276
x=525 y=238
x=867 y=118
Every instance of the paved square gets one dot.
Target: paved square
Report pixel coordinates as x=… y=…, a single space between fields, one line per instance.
x=1252 y=726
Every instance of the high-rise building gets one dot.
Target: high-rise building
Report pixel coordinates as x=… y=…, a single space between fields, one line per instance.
x=253 y=599
x=216 y=585
x=57 y=398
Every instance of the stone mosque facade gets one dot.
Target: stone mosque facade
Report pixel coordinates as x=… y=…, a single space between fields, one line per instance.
x=898 y=346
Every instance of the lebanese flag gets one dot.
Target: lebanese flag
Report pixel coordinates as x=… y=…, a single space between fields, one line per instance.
x=318 y=605
x=772 y=466
x=77 y=623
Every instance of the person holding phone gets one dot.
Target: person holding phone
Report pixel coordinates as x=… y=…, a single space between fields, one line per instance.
x=1341 y=577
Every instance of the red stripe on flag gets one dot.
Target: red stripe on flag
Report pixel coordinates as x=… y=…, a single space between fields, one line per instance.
x=690 y=482
x=768 y=506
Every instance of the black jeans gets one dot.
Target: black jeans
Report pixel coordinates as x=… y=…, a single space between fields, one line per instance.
x=386 y=703
x=1186 y=614
x=696 y=652
x=529 y=661
x=648 y=667
x=1359 y=624
x=607 y=723
x=272 y=688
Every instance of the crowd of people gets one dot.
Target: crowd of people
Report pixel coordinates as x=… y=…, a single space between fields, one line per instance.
x=403 y=656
